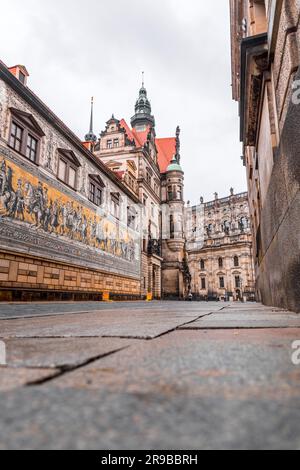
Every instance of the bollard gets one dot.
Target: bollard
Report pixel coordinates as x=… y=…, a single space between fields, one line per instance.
x=149 y=297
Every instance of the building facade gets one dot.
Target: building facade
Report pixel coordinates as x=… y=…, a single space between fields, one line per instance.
x=265 y=38
x=64 y=216
x=149 y=167
x=220 y=258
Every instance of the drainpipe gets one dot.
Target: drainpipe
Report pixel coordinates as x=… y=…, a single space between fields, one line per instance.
x=274 y=16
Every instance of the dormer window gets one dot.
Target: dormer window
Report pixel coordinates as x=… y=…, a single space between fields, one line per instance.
x=116 y=143
x=109 y=144
x=20 y=72
x=25 y=135
x=22 y=78
x=68 y=166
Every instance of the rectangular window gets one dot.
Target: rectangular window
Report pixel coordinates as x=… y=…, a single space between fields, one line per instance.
x=203 y=283
x=72 y=177
x=109 y=144
x=179 y=193
x=31 y=149
x=22 y=78
x=237 y=282
x=222 y=283
x=172 y=227
x=95 y=194
x=92 y=192
x=98 y=196
x=116 y=143
x=62 y=170
x=16 y=137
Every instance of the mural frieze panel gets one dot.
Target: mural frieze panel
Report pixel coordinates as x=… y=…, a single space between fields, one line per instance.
x=38 y=215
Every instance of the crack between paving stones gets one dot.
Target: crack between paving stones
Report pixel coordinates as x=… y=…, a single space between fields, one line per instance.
x=215 y=328
x=64 y=370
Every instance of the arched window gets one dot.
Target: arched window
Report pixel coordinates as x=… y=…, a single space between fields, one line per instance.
x=221 y=263
x=202 y=264
x=236 y=261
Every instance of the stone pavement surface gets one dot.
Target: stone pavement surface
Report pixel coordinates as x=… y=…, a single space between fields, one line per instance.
x=149 y=376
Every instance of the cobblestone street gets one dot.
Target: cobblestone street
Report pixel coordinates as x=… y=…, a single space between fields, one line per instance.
x=149 y=376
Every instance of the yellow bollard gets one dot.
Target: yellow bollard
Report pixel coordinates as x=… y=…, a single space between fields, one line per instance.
x=149 y=297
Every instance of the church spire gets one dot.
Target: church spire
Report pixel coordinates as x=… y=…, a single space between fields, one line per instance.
x=91 y=137
x=143 y=117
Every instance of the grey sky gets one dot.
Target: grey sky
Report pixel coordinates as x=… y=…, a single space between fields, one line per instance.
x=74 y=49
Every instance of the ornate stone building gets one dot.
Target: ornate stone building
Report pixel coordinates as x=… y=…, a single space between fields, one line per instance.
x=220 y=261
x=265 y=38
x=149 y=167
x=65 y=218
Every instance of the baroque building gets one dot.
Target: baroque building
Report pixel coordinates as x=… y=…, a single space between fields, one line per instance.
x=265 y=39
x=220 y=254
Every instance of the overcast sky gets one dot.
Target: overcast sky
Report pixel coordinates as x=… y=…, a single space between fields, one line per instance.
x=74 y=49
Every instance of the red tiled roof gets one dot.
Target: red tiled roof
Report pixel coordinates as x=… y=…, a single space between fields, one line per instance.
x=166 y=150
x=166 y=147
x=140 y=138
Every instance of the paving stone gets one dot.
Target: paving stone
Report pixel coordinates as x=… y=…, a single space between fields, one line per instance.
x=87 y=420
x=61 y=352
x=111 y=323
x=247 y=320
x=222 y=363
x=11 y=378
x=188 y=389
x=25 y=310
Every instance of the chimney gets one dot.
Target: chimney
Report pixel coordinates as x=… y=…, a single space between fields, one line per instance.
x=20 y=72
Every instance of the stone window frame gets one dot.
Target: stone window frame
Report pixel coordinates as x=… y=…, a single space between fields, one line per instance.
x=97 y=183
x=71 y=162
x=30 y=130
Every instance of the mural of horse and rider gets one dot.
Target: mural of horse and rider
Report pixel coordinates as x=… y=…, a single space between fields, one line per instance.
x=24 y=198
